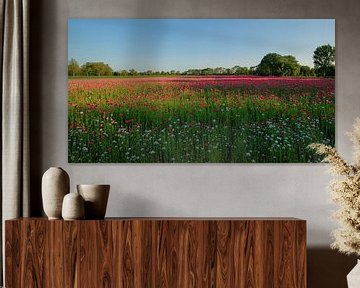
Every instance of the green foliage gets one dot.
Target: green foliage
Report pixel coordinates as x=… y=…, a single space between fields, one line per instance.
x=73 y=68
x=207 y=71
x=290 y=66
x=123 y=73
x=96 y=69
x=324 y=60
x=274 y=64
x=330 y=71
x=238 y=70
x=306 y=71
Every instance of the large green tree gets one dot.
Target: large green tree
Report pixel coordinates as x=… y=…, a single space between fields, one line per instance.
x=324 y=60
x=96 y=69
x=290 y=66
x=273 y=64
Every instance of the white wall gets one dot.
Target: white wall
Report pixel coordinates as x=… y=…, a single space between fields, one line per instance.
x=194 y=190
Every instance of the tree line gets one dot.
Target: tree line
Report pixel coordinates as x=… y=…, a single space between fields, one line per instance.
x=272 y=64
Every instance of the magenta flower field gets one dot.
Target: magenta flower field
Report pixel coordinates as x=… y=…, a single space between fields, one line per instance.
x=218 y=119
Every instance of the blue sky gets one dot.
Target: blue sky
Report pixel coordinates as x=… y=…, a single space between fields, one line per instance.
x=181 y=44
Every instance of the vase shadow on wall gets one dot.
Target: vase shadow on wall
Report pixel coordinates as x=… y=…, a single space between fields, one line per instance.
x=328 y=268
x=36 y=128
x=41 y=49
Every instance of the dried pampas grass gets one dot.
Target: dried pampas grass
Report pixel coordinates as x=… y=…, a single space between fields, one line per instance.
x=345 y=191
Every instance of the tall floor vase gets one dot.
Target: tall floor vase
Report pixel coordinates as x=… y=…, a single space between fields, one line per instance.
x=353 y=278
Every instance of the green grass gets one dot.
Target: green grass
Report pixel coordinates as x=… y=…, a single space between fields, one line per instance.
x=153 y=123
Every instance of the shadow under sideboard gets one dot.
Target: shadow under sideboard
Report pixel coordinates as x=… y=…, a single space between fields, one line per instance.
x=328 y=268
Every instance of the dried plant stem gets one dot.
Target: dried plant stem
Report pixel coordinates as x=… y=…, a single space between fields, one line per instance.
x=345 y=192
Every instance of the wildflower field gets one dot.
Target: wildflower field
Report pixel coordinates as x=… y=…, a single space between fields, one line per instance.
x=219 y=119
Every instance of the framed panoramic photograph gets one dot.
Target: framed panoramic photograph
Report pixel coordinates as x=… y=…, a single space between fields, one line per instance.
x=200 y=90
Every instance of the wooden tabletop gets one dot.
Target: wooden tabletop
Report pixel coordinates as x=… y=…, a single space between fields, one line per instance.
x=152 y=218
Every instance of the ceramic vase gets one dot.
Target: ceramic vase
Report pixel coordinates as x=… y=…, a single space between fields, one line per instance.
x=55 y=185
x=96 y=198
x=353 y=278
x=73 y=207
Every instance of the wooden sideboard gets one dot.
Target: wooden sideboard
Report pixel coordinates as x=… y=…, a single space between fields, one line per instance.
x=156 y=252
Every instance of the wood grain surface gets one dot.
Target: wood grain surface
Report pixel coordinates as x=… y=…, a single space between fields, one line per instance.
x=157 y=253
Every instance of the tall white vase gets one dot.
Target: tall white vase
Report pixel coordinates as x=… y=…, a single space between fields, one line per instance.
x=353 y=278
x=55 y=185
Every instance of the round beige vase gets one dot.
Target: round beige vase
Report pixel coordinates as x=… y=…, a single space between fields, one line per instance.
x=55 y=185
x=73 y=207
x=96 y=198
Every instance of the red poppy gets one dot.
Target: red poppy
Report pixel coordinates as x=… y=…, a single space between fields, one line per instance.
x=128 y=121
